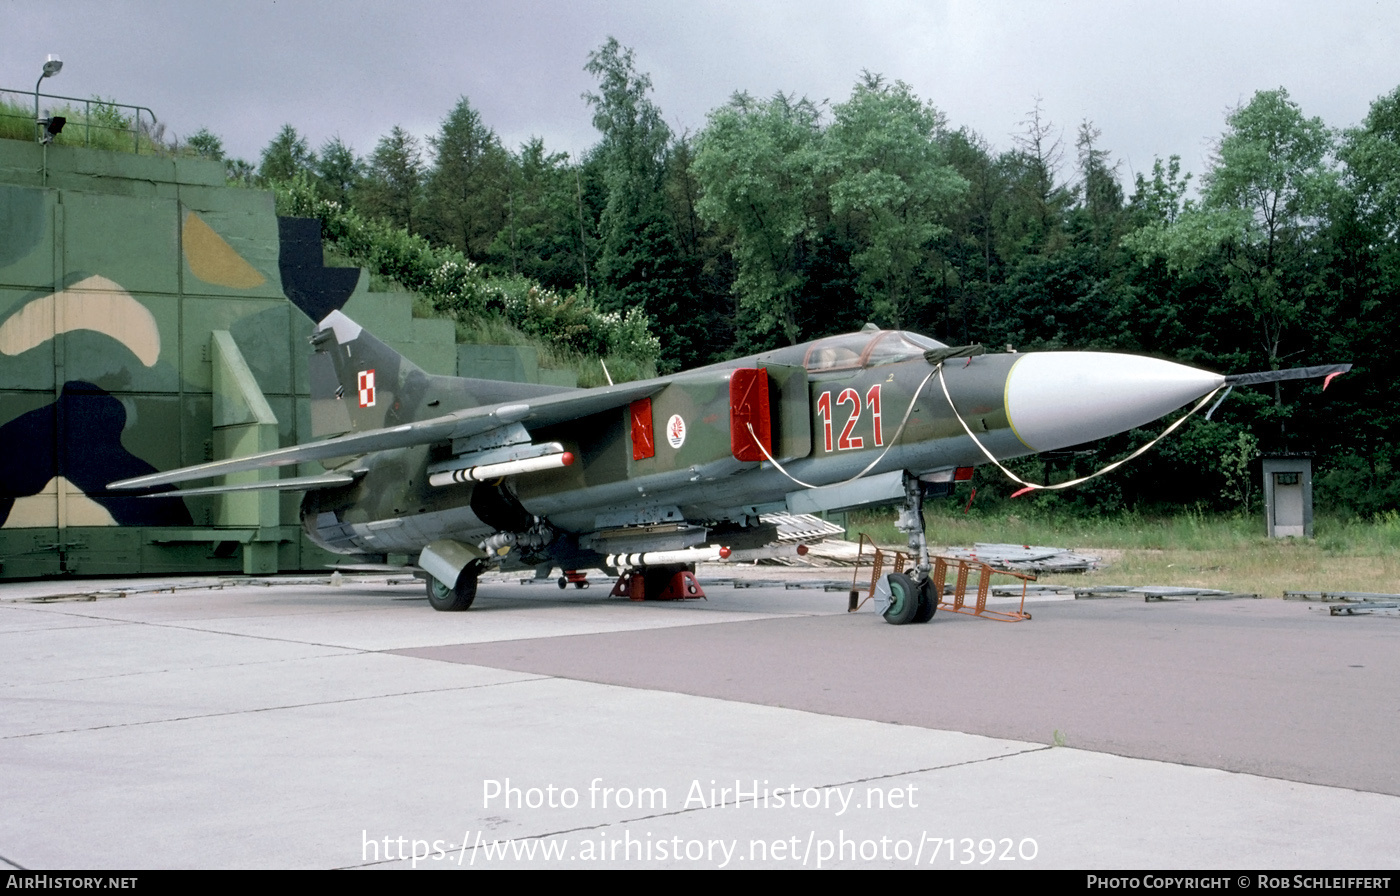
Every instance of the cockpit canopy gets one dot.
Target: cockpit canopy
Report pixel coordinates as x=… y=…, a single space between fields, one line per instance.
x=866 y=349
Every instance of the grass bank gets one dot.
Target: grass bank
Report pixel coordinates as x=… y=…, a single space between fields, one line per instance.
x=95 y=124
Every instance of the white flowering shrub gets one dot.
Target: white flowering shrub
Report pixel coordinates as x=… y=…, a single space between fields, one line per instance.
x=455 y=284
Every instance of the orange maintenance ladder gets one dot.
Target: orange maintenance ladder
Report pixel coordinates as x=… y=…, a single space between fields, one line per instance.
x=899 y=561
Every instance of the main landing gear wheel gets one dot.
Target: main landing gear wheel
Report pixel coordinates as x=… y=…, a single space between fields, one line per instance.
x=904 y=599
x=456 y=598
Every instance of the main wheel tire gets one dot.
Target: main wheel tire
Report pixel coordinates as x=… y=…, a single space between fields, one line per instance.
x=904 y=599
x=928 y=602
x=457 y=598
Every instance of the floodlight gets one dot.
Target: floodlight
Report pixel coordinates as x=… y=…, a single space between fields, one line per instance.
x=53 y=126
x=51 y=67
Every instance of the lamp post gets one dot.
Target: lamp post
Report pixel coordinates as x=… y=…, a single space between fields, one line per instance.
x=51 y=67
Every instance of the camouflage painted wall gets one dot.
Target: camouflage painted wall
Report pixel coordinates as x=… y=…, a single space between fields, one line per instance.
x=116 y=272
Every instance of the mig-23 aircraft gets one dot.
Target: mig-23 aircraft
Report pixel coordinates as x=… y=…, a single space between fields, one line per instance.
x=650 y=477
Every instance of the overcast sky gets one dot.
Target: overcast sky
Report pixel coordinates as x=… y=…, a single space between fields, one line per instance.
x=1156 y=78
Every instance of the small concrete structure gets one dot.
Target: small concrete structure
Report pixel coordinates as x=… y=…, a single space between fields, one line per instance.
x=1288 y=503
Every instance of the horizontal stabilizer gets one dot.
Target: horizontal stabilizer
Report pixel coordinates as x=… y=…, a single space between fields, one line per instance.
x=1296 y=373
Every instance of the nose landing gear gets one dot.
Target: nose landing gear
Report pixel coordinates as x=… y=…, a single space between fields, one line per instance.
x=912 y=597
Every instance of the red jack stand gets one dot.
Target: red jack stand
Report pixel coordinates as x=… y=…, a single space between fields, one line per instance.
x=630 y=586
x=681 y=586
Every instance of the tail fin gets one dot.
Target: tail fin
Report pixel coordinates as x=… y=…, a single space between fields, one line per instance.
x=358 y=383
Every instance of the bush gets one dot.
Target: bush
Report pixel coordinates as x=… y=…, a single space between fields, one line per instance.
x=1354 y=486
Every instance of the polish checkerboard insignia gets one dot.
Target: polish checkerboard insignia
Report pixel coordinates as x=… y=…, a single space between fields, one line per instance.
x=366 y=388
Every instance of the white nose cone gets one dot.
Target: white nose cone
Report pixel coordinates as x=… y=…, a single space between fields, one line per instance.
x=1057 y=399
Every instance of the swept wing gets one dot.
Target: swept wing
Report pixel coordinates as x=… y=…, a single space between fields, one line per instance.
x=542 y=411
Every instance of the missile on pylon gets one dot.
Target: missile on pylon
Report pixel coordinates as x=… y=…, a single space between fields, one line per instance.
x=483 y=472
x=668 y=558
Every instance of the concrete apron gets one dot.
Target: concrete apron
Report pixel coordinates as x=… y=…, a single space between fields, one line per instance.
x=312 y=726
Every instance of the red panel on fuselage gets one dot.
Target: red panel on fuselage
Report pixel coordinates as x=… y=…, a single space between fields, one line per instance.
x=748 y=407
x=643 y=439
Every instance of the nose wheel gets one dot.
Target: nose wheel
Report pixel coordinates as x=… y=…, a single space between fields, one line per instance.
x=903 y=600
x=911 y=596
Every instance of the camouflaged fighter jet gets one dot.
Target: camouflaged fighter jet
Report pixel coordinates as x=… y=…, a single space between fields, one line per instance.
x=656 y=475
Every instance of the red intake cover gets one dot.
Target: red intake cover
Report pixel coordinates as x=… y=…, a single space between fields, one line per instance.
x=643 y=439
x=748 y=406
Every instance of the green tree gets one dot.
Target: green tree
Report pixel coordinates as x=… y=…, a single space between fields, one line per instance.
x=1261 y=203
x=1160 y=201
x=1372 y=156
x=638 y=261
x=206 y=145
x=393 y=182
x=338 y=171
x=1034 y=215
x=709 y=285
x=285 y=157
x=1099 y=213
x=756 y=164
x=1256 y=239
x=467 y=189
x=892 y=180
x=1269 y=185
x=970 y=250
x=1359 y=323
x=240 y=172
x=541 y=237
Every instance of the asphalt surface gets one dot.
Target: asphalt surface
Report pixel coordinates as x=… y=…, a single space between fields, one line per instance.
x=316 y=726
